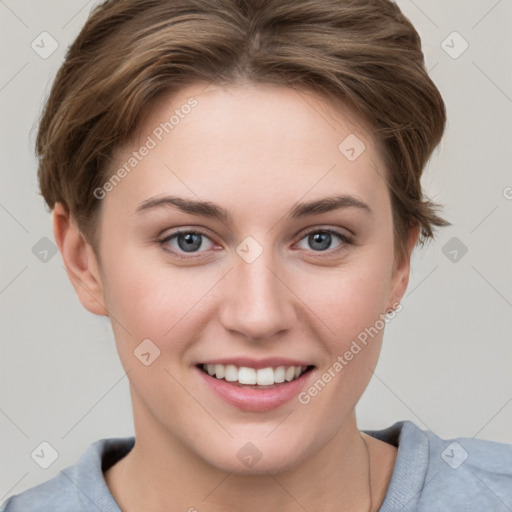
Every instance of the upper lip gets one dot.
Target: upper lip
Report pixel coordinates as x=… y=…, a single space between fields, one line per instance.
x=257 y=364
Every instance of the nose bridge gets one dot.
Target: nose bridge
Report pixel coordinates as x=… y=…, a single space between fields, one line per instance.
x=257 y=304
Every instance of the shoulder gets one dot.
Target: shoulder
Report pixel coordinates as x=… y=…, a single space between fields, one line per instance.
x=469 y=472
x=78 y=488
x=456 y=474
x=56 y=494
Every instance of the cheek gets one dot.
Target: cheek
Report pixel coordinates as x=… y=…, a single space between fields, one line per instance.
x=155 y=301
x=352 y=305
x=348 y=299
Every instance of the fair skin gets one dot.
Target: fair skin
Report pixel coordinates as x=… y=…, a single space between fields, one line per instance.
x=256 y=151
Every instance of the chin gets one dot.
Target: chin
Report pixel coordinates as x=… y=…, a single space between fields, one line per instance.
x=274 y=464
x=256 y=457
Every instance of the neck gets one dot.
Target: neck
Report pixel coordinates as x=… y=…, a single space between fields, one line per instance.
x=161 y=474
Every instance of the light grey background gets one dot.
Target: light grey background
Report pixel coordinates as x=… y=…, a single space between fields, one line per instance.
x=446 y=361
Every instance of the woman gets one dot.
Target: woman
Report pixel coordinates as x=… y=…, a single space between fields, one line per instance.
x=236 y=185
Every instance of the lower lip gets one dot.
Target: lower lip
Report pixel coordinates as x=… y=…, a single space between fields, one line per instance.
x=256 y=400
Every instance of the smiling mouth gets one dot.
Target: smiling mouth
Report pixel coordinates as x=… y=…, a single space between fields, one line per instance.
x=263 y=378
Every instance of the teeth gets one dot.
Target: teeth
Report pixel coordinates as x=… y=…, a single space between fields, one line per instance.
x=265 y=377
x=246 y=375
x=251 y=376
x=231 y=373
x=219 y=371
x=289 y=374
x=279 y=374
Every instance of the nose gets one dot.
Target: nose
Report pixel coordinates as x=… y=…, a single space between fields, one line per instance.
x=257 y=302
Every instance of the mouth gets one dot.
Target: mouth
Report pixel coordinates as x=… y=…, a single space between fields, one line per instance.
x=255 y=378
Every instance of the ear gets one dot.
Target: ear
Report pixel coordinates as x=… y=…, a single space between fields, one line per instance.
x=401 y=271
x=80 y=261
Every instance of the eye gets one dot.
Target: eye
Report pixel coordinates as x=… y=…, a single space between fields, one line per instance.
x=193 y=242
x=186 y=241
x=322 y=240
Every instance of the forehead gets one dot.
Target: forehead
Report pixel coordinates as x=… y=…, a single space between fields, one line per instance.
x=250 y=144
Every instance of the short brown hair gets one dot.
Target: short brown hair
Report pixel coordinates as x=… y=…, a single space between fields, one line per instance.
x=365 y=53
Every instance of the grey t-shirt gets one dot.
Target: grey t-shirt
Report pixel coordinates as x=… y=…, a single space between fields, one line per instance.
x=430 y=475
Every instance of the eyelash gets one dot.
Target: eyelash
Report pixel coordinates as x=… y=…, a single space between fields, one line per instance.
x=344 y=239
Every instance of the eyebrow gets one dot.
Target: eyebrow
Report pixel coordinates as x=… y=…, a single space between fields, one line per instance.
x=211 y=210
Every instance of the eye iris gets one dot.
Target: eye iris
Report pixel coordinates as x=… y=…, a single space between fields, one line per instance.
x=189 y=242
x=323 y=240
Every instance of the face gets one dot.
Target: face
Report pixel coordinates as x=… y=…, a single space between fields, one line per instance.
x=250 y=233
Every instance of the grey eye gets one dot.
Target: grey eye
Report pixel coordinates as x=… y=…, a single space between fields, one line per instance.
x=320 y=241
x=189 y=242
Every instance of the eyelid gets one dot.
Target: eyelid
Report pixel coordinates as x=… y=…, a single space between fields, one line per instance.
x=178 y=231
x=327 y=229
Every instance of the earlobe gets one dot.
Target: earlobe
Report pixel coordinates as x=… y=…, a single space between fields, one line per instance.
x=79 y=260
x=401 y=272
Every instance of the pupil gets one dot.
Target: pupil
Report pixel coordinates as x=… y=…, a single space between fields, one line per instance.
x=189 y=242
x=320 y=241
